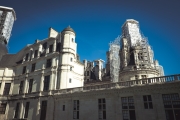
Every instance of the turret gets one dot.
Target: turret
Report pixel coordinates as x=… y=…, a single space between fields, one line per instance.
x=69 y=62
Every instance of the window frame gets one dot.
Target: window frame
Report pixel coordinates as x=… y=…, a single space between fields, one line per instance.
x=35 y=53
x=3 y=108
x=147 y=102
x=26 y=110
x=169 y=106
x=6 y=88
x=102 y=109
x=48 y=63
x=24 y=70
x=128 y=107
x=16 y=113
x=46 y=83
x=43 y=110
x=51 y=48
x=33 y=67
x=27 y=56
x=21 y=87
x=70 y=80
x=30 y=85
x=76 y=107
x=63 y=108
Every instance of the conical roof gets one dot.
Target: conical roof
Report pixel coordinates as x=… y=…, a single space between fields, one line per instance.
x=68 y=29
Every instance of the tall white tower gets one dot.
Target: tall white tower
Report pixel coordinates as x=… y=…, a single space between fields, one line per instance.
x=7 y=17
x=131 y=31
x=71 y=71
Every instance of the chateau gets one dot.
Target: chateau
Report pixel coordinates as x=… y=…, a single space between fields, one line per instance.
x=46 y=80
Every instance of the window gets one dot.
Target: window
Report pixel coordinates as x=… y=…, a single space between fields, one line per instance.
x=3 y=108
x=6 y=88
x=35 y=53
x=16 y=111
x=172 y=106
x=63 y=107
x=24 y=70
x=26 y=110
x=48 y=63
x=102 y=108
x=21 y=87
x=143 y=76
x=70 y=80
x=43 y=110
x=30 y=85
x=87 y=73
x=26 y=58
x=136 y=77
x=58 y=47
x=140 y=56
x=45 y=45
x=33 y=67
x=46 y=83
x=76 y=109
x=72 y=40
x=30 y=55
x=70 y=68
x=50 y=48
x=128 y=108
x=71 y=59
x=147 y=102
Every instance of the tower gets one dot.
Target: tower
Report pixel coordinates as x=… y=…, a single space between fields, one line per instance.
x=137 y=58
x=7 y=17
x=71 y=71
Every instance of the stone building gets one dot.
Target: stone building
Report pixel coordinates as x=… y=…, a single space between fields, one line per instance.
x=47 y=81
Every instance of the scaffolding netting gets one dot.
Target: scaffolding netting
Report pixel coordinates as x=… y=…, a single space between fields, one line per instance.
x=114 y=59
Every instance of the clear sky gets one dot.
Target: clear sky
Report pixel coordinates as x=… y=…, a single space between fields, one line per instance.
x=97 y=22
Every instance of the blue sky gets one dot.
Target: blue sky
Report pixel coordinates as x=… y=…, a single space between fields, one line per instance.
x=97 y=22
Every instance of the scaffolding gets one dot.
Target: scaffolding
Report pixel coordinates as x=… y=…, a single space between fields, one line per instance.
x=114 y=59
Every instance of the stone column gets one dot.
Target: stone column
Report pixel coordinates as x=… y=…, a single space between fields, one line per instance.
x=53 y=62
x=25 y=86
x=21 y=109
x=38 y=109
x=2 y=87
x=39 y=50
x=11 y=88
x=51 y=81
x=41 y=82
x=54 y=46
x=47 y=49
x=32 y=57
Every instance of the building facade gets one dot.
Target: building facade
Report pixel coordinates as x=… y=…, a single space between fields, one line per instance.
x=47 y=81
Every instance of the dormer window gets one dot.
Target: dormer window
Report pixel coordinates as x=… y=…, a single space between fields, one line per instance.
x=35 y=53
x=26 y=58
x=24 y=70
x=50 y=48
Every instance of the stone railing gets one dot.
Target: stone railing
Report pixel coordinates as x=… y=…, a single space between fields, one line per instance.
x=163 y=79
